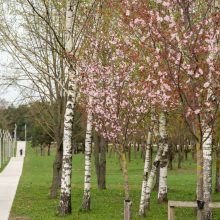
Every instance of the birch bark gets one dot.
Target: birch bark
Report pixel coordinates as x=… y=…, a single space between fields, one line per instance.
x=65 y=195
x=87 y=177
x=207 y=133
x=147 y=165
x=151 y=177
x=207 y=170
x=156 y=163
x=162 y=191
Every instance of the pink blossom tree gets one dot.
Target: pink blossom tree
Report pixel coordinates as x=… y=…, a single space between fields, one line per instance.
x=183 y=36
x=124 y=87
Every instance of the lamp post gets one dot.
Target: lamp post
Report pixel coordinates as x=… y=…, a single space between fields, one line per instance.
x=25 y=132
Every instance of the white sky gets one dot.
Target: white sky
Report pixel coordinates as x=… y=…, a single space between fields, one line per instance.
x=11 y=93
x=8 y=90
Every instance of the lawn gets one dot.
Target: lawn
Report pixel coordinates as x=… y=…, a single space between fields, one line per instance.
x=32 y=195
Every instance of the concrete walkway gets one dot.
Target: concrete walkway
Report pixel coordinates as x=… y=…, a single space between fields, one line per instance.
x=9 y=179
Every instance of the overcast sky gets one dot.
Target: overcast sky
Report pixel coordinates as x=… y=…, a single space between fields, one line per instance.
x=8 y=92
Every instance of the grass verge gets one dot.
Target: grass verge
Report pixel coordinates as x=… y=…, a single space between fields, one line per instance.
x=32 y=200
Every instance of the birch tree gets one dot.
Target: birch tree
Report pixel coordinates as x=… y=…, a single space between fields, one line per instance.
x=88 y=148
x=147 y=163
x=65 y=194
x=162 y=190
x=39 y=62
x=76 y=30
x=161 y=150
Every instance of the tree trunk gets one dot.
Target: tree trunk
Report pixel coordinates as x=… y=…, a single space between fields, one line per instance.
x=57 y=167
x=129 y=152
x=87 y=177
x=171 y=156
x=145 y=176
x=48 y=149
x=65 y=197
x=102 y=164
x=41 y=150
x=200 y=213
x=127 y=209
x=96 y=155
x=179 y=155
x=217 y=183
x=127 y=201
x=65 y=194
x=186 y=151
x=161 y=151
x=207 y=170
x=162 y=190
x=194 y=157
x=156 y=185
x=147 y=165
x=151 y=176
x=135 y=150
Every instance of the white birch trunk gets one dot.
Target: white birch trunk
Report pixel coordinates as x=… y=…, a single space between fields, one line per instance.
x=65 y=197
x=162 y=191
x=207 y=170
x=88 y=146
x=156 y=162
x=207 y=133
x=147 y=165
x=207 y=129
x=151 y=176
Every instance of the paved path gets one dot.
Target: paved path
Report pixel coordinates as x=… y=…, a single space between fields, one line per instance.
x=9 y=179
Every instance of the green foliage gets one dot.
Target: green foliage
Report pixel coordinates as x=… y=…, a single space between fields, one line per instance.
x=40 y=137
x=16 y=115
x=41 y=125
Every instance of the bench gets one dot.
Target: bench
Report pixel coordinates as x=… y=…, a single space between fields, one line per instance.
x=186 y=204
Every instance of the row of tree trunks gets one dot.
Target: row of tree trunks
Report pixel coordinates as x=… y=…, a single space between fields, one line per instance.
x=42 y=148
x=162 y=155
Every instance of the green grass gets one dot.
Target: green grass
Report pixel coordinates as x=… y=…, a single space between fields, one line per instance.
x=32 y=195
